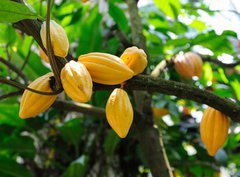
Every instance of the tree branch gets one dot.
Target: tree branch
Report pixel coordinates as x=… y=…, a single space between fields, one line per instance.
x=218 y=62
x=80 y=107
x=181 y=90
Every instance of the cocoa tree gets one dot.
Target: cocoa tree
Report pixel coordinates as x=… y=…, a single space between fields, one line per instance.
x=74 y=139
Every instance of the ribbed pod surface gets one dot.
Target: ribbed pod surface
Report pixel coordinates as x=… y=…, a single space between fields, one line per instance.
x=213 y=129
x=59 y=39
x=77 y=81
x=119 y=112
x=188 y=65
x=32 y=103
x=135 y=59
x=106 y=68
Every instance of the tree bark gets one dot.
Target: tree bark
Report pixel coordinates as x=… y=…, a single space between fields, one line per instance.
x=148 y=134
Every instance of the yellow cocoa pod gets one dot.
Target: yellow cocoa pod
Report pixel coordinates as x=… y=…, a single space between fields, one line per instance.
x=119 y=112
x=59 y=39
x=213 y=129
x=32 y=103
x=77 y=81
x=106 y=68
x=84 y=1
x=43 y=55
x=135 y=59
x=188 y=65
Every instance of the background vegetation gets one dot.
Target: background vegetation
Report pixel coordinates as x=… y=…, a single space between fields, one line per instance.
x=72 y=140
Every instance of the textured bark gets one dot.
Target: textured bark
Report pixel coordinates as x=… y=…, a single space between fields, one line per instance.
x=181 y=90
x=148 y=135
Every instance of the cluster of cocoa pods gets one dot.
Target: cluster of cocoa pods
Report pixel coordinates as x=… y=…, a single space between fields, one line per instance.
x=77 y=79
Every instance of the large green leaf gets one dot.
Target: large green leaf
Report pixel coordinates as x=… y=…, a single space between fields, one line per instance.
x=14 y=144
x=77 y=168
x=10 y=168
x=111 y=142
x=9 y=115
x=72 y=131
x=119 y=17
x=90 y=38
x=217 y=43
x=11 y=11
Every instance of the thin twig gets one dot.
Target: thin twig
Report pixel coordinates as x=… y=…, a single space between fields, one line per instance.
x=21 y=86
x=8 y=58
x=28 y=55
x=121 y=37
x=10 y=94
x=26 y=59
x=14 y=68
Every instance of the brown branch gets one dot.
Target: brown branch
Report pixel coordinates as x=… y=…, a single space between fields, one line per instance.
x=80 y=107
x=220 y=63
x=181 y=90
x=121 y=36
x=10 y=94
x=14 y=68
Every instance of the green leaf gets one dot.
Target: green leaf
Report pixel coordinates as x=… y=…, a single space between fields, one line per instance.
x=207 y=74
x=119 y=17
x=90 y=38
x=72 y=130
x=9 y=115
x=170 y=7
x=8 y=34
x=11 y=168
x=14 y=144
x=11 y=11
x=222 y=75
x=77 y=168
x=236 y=85
x=198 y=24
x=110 y=142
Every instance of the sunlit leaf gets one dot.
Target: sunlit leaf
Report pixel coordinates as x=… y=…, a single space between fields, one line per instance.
x=11 y=11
